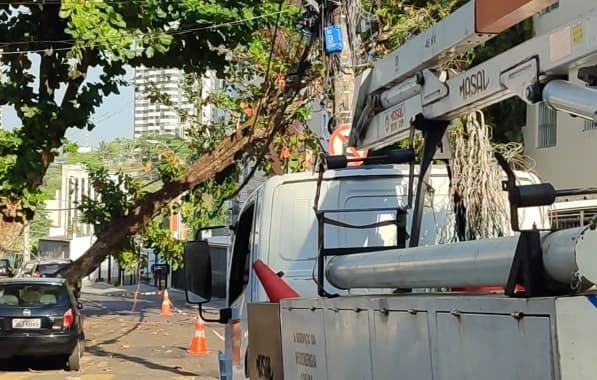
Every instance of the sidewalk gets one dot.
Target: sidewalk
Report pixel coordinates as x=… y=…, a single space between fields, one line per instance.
x=177 y=295
x=105 y=289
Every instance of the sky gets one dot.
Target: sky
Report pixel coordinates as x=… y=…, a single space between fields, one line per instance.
x=114 y=118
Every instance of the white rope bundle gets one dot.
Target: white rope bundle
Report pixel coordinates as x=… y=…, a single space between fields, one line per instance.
x=477 y=178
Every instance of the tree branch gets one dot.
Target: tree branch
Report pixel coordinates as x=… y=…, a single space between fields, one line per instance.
x=202 y=170
x=205 y=168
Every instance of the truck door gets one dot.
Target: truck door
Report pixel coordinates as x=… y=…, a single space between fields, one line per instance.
x=241 y=255
x=238 y=284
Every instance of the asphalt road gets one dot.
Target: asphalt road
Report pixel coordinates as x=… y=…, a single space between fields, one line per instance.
x=130 y=340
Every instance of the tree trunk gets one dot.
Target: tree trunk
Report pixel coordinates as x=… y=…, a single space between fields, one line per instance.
x=10 y=232
x=203 y=169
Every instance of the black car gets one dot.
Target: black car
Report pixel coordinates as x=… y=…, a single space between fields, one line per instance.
x=40 y=317
x=5 y=268
x=47 y=268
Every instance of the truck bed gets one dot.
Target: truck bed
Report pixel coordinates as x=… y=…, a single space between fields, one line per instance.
x=436 y=336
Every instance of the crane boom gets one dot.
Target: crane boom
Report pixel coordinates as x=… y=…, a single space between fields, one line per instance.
x=389 y=100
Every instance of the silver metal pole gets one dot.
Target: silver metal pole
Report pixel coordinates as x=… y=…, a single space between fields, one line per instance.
x=567 y=254
x=571 y=98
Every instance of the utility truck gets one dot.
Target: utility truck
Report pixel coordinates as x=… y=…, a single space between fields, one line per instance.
x=377 y=298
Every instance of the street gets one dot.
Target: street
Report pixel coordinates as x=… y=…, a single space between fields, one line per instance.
x=131 y=340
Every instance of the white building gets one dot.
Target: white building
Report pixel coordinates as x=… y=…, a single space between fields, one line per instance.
x=160 y=119
x=63 y=213
x=1 y=107
x=563 y=146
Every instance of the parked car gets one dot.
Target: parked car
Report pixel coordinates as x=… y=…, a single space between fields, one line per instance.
x=47 y=268
x=5 y=268
x=40 y=317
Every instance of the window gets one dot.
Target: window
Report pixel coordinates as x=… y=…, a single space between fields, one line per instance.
x=547 y=127
x=29 y=294
x=561 y=219
x=589 y=125
x=241 y=255
x=550 y=8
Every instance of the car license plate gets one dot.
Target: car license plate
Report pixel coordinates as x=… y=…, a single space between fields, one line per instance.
x=29 y=323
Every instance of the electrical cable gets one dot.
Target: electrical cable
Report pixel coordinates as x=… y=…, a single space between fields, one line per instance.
x=277 y=124
x=265 y=147
x=4 y=44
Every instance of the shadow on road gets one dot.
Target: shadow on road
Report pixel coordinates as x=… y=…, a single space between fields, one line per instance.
x=28 y=364
x=100 y=307
x=175 y=370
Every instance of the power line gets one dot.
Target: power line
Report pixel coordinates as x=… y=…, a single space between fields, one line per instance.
x=58 y=2
x=5 y=44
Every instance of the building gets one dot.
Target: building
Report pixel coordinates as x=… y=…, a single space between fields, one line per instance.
x=152 y=118
x=562 y=146
x=1 y=107
x=67 y=229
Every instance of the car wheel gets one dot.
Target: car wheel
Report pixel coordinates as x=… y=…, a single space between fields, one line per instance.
x=74 y=358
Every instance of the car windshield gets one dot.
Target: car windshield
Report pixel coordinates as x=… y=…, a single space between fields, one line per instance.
x=50 y=269
x=4 y=263
x=27 y=294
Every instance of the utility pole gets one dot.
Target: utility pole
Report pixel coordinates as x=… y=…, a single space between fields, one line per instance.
x=27 y=243
x=343 y=71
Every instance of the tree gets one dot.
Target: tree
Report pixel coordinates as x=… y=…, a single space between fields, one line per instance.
x=264 y=117
x=49 y=49
x=480 y=209
x=266 y=78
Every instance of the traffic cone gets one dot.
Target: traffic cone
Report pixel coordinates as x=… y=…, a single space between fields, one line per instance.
x=198 y=344
x=166 y=304
x=274 y=286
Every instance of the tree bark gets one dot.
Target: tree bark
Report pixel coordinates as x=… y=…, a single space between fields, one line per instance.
x=203 y=169
x=10 y=230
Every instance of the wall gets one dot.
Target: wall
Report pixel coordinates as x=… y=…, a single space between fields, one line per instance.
x=65 y=217
x=79 y=245
x=570 y=163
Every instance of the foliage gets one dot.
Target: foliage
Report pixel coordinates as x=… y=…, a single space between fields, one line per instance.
x=39 y=226
x=49 y=49
x=162 y=242
x=508 y=116
x=204 y=206
x=400 y=20
x=116 y=194
x=476 y=189
x=263 y=80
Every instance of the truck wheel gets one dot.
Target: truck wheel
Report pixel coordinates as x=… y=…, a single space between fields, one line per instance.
x=74 y=358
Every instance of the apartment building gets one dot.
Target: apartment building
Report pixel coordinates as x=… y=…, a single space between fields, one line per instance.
x=153 y=118
x=563 y=146
x=67 y=229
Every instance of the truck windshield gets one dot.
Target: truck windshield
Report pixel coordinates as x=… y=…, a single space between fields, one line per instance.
x=239 y=267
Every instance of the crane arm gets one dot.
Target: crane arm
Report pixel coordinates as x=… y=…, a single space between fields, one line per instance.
x=388 y=100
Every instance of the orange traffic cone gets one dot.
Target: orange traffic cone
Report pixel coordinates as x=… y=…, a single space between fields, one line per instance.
x=199 y=344
x=274 y=286
x=166 y=304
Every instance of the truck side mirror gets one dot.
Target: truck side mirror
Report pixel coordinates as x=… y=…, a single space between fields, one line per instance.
x=197 y=272
x=198 y=278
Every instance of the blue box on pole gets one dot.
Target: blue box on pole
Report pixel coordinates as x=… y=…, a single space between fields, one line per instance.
x=333 y=39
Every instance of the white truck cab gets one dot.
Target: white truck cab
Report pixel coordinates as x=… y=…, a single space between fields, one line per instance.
x=278 y=226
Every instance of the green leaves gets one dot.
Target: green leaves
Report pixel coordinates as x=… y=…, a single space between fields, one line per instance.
x=222 y=35
x=162 y=242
